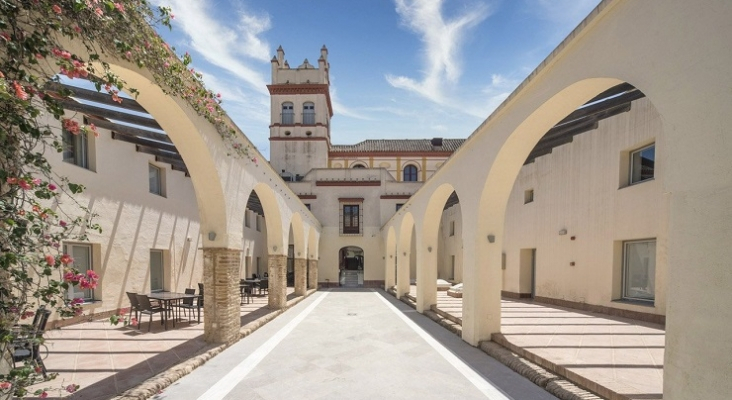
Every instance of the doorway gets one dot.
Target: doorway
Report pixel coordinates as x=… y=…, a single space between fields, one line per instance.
x=350 y=266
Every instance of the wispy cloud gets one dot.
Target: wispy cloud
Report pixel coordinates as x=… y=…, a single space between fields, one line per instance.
x=223 y=46
x=442 y=39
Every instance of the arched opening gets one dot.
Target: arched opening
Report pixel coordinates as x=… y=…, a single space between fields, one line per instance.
x=404 y=254
x=308 y=113
x=350 y=266
x=358 y=166
x=410 y=173
x=255 y=238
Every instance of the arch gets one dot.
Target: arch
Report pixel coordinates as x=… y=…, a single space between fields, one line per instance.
x=358 y=165
x=273 y=219
x=428 y=264
x=410 y=173
x=298 y=233
x=351 y=266
x=287 y=113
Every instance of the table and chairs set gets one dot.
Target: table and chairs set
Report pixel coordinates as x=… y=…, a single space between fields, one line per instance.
x=247 y=287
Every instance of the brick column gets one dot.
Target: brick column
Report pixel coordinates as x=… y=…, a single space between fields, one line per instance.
x=301 y=270
x=313 y=274
x=277 y=266
x=221 y=295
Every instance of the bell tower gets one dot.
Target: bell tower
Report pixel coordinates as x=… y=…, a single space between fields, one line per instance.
x=299 y=132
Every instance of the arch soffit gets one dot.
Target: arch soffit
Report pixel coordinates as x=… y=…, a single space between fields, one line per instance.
x=195 y=139
x=433 y=213
x=405 y=231
x=276 y=231
x=391 y=241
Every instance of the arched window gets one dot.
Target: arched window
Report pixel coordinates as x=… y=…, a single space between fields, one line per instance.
x=288 y=113
x=410 y=173
x=358 y=166
x=308 y=113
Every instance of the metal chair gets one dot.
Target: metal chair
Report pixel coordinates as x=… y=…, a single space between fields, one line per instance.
x=188 y=304
x=200 y=294
x=264 y=285
x=134 y=304
x=27 y=346
x=147 y=308
x=245 y=290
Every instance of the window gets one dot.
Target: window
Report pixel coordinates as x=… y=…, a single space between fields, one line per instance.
x=308 y=114
x=399 y=205
x=156 y=270
x=642 y=164
x=452 y=267
x=452 y=228
x=639 y=270
x=351 y=218
x=529 y=196
x=75 y=148
x=410 y=173
x=307 y=205
x=259 y=224
x=358 y=166
x=288 y=114
x=246 y=219
x=82 y=255
x=157 y=183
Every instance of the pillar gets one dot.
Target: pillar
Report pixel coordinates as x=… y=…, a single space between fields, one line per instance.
x=313 y=274
x=277 y=267
x=390 y=270
x=301 y=271
x=426 y=277
x=402 y=274
x=221 y=295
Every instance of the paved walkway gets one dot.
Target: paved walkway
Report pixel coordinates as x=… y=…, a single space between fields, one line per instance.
x=106 y=360
x=352 y=344
x=601 y=352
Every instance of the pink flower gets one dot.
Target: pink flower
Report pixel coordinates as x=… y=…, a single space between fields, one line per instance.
x=25 y=185
x=36 y=181
x=92 y=275
x=51 y=187
x=62 y=223
x=66 y=259
x=56 y=9
x=20 y=91
x=27 y=314
x=128 y=54
x=11 y=181
x=119 y=7
x=5 y=385
x=77 y=28
x=71 y=125
x=44 y=394
x=100 y=13
x=69 y=276
x=50 y=260
x=133 y=321
x=77 y=301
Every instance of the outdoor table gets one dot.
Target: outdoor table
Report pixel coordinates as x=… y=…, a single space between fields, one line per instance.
x=254 y=282
x=168 y=298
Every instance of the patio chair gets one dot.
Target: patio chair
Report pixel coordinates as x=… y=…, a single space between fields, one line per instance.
x=246 y=291
x=28 y=346
x=190 y=305
x=264 y=285
x=147 y=308
x=134 y=305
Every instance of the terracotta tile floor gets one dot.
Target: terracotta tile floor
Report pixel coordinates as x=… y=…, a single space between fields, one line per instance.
x=623 y=355
x=106 y=360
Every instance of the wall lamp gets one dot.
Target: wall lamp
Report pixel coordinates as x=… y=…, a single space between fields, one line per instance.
x=212 y=236
x=491 y=238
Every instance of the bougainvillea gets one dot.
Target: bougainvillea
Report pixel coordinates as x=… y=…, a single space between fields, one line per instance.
x=40 y=42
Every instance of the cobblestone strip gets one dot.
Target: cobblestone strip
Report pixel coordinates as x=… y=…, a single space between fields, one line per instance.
x=156 y=384
x=553 y=384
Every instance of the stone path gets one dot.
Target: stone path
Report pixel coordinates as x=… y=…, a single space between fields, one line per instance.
x=355 y=344
x=614 y=357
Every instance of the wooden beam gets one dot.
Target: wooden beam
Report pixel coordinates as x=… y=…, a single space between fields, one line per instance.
x=142 y=141
x=602 y=106
x=158 y=152
x=108 y=113
x=97 y=97
x=613 y=91
x=127 y=130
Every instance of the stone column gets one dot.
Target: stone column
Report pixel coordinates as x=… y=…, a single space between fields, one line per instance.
x=313 y=274
x=301 y=277
x=221 y=295
x=277 y=267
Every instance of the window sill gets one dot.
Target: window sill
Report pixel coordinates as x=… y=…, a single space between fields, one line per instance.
x=650 y=304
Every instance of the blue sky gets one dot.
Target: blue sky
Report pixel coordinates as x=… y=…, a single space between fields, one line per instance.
x=399 y=68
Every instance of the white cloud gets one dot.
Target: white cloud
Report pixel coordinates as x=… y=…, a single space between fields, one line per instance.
x=221 y=45
x=442 y=40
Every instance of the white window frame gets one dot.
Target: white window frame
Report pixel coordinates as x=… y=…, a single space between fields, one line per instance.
x=631 y=167
x=247 y=224
x=651 y=278
x=308 y=113
x=160 y=178
x=75 y=149
x=75 y=292
x=288 y=108
x=528 y=196
x=258 y=222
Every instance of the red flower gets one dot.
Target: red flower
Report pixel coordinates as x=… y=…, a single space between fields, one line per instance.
x=44 y=394
x=56 y=9
x=50 y=260
x=66 y=259
x=71 y=125
x=20 y=91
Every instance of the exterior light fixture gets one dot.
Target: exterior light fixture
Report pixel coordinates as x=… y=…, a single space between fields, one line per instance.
x=491 y=238
x=212 y=236
x=562 y=232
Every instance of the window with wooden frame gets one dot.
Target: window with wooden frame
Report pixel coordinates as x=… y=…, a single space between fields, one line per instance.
x=351 y=217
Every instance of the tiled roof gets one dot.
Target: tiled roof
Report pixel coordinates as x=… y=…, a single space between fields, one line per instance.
x=398 y=145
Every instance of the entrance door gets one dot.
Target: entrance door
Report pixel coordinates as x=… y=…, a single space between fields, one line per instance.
x=350 y=266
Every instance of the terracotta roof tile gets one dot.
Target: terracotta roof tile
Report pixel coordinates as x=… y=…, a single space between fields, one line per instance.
x=392 y=145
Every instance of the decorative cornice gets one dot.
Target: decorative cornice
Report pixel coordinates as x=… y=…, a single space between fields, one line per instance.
x=307 y=196
x=396 y=196
x=347 y=183
x=354 y=154
x=303 y=88
x=350 y=199
x=298 y=138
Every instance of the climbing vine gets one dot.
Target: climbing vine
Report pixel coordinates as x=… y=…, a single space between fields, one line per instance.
x=44 y=42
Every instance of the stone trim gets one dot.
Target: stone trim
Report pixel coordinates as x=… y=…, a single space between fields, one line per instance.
x=616 y=312
x=347 y=183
